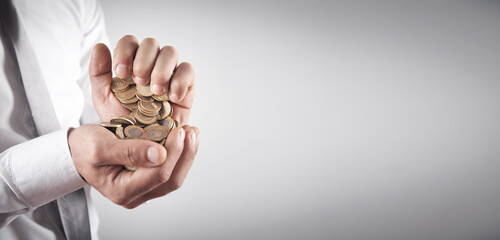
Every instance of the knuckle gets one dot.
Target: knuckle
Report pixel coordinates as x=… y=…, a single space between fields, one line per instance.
x=130 y=156
x=176 y=185
x=150 y=41
x=140 y=69
x=125 y=42
x=179 y=87
x=129 y=37
x=121 y=57
x=123 y=51
x=160 y=76
x=186 y=66
x=170 y=50
x=175 y=85
x=163 y=176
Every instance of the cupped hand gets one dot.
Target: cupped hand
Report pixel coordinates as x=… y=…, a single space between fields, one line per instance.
x=99 y=157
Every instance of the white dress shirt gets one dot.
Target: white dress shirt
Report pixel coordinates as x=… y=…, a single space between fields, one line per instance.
x=36 y=171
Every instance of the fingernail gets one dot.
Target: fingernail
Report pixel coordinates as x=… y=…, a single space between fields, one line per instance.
x=173 y=97
x=153 y=155
x=158 y=89
x=122 y=70
x=182 y=135
x=139 y=81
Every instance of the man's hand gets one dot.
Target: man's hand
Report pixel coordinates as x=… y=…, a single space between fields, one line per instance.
x=150 y=65
x=101 y=162
x=99 y=158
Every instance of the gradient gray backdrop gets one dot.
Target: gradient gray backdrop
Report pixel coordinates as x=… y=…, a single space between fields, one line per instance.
x=329 y=120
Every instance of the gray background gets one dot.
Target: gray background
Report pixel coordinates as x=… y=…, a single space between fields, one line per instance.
x=329 y=120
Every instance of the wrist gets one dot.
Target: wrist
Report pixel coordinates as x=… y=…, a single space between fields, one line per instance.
x=70 y=137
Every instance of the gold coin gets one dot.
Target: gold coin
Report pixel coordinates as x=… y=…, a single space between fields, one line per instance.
x=168 y=122
x=131 y=114
x=128 y=79
x=163 y=141
x=130 y=100
x=151 y=126
x=147 y=113
x=109 y=125
x=117 y=85
x=119 y=133
x=144 y=110
x=149 y=117
x=161 y=98
x=144 y=90
x=126 y=94
x=149 y=108
x=156 y=133
x=142 y=98
x=165 y=111
x=143 y=137
x=134 y=131
x=123 y=120
x=130 y=118
x=143 y=118
x=130 y=106
x=131 y=168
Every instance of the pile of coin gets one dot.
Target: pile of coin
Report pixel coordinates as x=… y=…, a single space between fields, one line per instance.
x=150 y=115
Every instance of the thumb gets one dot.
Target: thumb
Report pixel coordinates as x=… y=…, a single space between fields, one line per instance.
x=136 y=153
x=100 y=73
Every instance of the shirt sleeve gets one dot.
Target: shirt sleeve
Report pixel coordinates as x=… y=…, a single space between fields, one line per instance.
x=24 y=168
x=94 y=31
x=38 y=171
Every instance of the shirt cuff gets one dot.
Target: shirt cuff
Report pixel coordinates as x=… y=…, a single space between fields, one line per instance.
x=43 y=170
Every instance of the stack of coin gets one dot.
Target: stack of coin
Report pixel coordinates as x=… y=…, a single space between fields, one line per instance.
x=150 y=115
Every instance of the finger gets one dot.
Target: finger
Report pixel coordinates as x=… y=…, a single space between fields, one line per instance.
x=182 y=81
x=182 y=168
x=100 y=72
x=123 y=55
x=145 y=60
x=146 y=179
x=163 y=69
x=180 y=112
x=105 y=104
x=180 y=171
x=131 y=152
